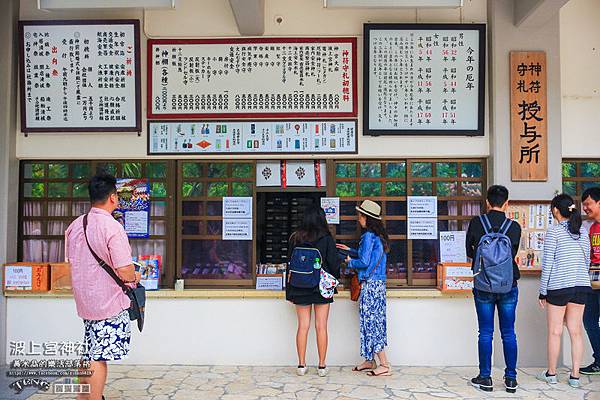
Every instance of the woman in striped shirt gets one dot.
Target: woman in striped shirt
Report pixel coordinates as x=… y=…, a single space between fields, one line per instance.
x=565 y=284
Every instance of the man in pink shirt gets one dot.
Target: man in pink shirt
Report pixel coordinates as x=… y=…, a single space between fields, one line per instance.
x=100 y=302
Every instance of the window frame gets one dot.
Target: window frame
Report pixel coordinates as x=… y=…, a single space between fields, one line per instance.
x=180 y=237
x=167 y=278
x=460 y=198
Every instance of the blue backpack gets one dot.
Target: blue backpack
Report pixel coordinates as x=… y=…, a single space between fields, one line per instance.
x=493 y=266
x=304 y=269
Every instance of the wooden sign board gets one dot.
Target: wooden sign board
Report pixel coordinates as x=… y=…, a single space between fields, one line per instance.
x=528 y=116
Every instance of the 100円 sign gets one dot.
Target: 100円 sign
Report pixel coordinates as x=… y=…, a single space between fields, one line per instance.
x=252 y=78
x=528 y=116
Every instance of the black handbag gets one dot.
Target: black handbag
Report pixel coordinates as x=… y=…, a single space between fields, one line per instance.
x=136 y=295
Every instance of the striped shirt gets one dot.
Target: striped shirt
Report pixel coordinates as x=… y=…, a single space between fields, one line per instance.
x=566 y=259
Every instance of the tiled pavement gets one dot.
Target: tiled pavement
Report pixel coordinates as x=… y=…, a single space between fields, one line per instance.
x=265 y=383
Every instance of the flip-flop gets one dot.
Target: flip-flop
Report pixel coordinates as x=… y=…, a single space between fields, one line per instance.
x=387 y=372
x=356 y=369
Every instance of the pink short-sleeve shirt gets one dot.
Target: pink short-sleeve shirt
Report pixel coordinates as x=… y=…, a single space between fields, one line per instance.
x=97 y=295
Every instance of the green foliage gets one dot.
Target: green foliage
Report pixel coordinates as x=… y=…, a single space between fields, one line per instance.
x=370 y=170
x=446 y=169
x=217 y=189
x=193 y=170
x=345 y=170
x=242 y=170
x=345 y=189
x=58 y=171
x=156 y=170
x=192 y=189
x=422 y=170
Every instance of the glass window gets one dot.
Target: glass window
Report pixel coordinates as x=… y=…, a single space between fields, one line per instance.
x=446 y=169
x=459 y=185
x=422 y=169
x=370 y=170
x=205 y=257
x=345 y=189
x=60 y=189
x=345 y=170
x=396 y=170
x=579 y=175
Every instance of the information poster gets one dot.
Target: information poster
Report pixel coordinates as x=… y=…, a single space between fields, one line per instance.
x=453 y=247
x=243 y=137
x=422 y=228
x=422 y=207
x=252 y=78
x=237 y=229
x=422 y=217
x=134 y=207
x=269 y=282
x=80 y=75
x=331 y=206
x=534 y=218
x=237 y=207
x=424 y=79
x=17 y=277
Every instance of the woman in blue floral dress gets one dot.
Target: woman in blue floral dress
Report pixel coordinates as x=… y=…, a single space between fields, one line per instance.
x=370 y=262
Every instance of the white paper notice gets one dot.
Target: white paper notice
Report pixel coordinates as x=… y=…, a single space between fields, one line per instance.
x=136 y=222
x=237 y=207
x=422 y=207
x=331 y=206
x=269 y=282
x=459 y=272
x=18 y=276
x=237 y=229
x=452 y=247
x=422 y=228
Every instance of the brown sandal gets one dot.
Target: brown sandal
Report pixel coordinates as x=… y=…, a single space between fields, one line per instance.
x=387 y=372
x=357 y=369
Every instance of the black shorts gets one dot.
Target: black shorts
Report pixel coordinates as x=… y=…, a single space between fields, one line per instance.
x=561 y=299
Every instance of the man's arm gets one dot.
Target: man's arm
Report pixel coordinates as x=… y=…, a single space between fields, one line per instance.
x=470 y=240
x=120 y=254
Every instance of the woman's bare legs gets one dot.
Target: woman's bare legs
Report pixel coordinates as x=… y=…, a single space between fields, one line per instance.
x=303 y=313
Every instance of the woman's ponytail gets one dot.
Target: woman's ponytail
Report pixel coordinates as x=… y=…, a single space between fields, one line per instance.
x=567 y=208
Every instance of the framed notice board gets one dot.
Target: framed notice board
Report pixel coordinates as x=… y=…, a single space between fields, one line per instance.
x=424 y=79
x=252 y=78
x=534 y=217
x=253 y=137
x=80 y=75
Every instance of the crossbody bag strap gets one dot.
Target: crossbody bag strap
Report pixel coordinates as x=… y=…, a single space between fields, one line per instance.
x=102 y=263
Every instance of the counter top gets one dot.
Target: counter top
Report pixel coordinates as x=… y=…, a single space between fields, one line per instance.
x=250 y=294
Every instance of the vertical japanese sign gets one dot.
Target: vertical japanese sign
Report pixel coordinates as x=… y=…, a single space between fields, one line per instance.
x=134 y=207
x=528 y=116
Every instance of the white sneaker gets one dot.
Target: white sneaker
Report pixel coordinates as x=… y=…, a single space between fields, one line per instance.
x=544 y=377
x=322 y=372
x=301 y=371
x=574 y=382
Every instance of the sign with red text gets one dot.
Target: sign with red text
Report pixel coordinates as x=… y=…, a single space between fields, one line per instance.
x=80 y=75
x=252 y=78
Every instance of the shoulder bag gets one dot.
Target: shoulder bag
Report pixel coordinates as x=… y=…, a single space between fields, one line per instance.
x=136 y=295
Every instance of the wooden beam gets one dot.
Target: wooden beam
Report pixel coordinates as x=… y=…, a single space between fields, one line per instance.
x=535 y=13
x=249 y=16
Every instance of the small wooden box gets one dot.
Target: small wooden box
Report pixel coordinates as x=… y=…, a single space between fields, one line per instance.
x=455 y=277
x=60 y=277
x=26 y=277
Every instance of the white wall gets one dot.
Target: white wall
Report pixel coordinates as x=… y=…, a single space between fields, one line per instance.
x=214 y=18
x=8 y=162
x=262 y=331
x=580 y=66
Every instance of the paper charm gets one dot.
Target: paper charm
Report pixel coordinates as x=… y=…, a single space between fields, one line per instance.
x=268 y=173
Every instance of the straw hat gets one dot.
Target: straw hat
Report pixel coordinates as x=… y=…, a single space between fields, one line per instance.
x=370 y=208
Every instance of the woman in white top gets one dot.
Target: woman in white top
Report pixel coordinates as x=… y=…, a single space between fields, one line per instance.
x=565 y=284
